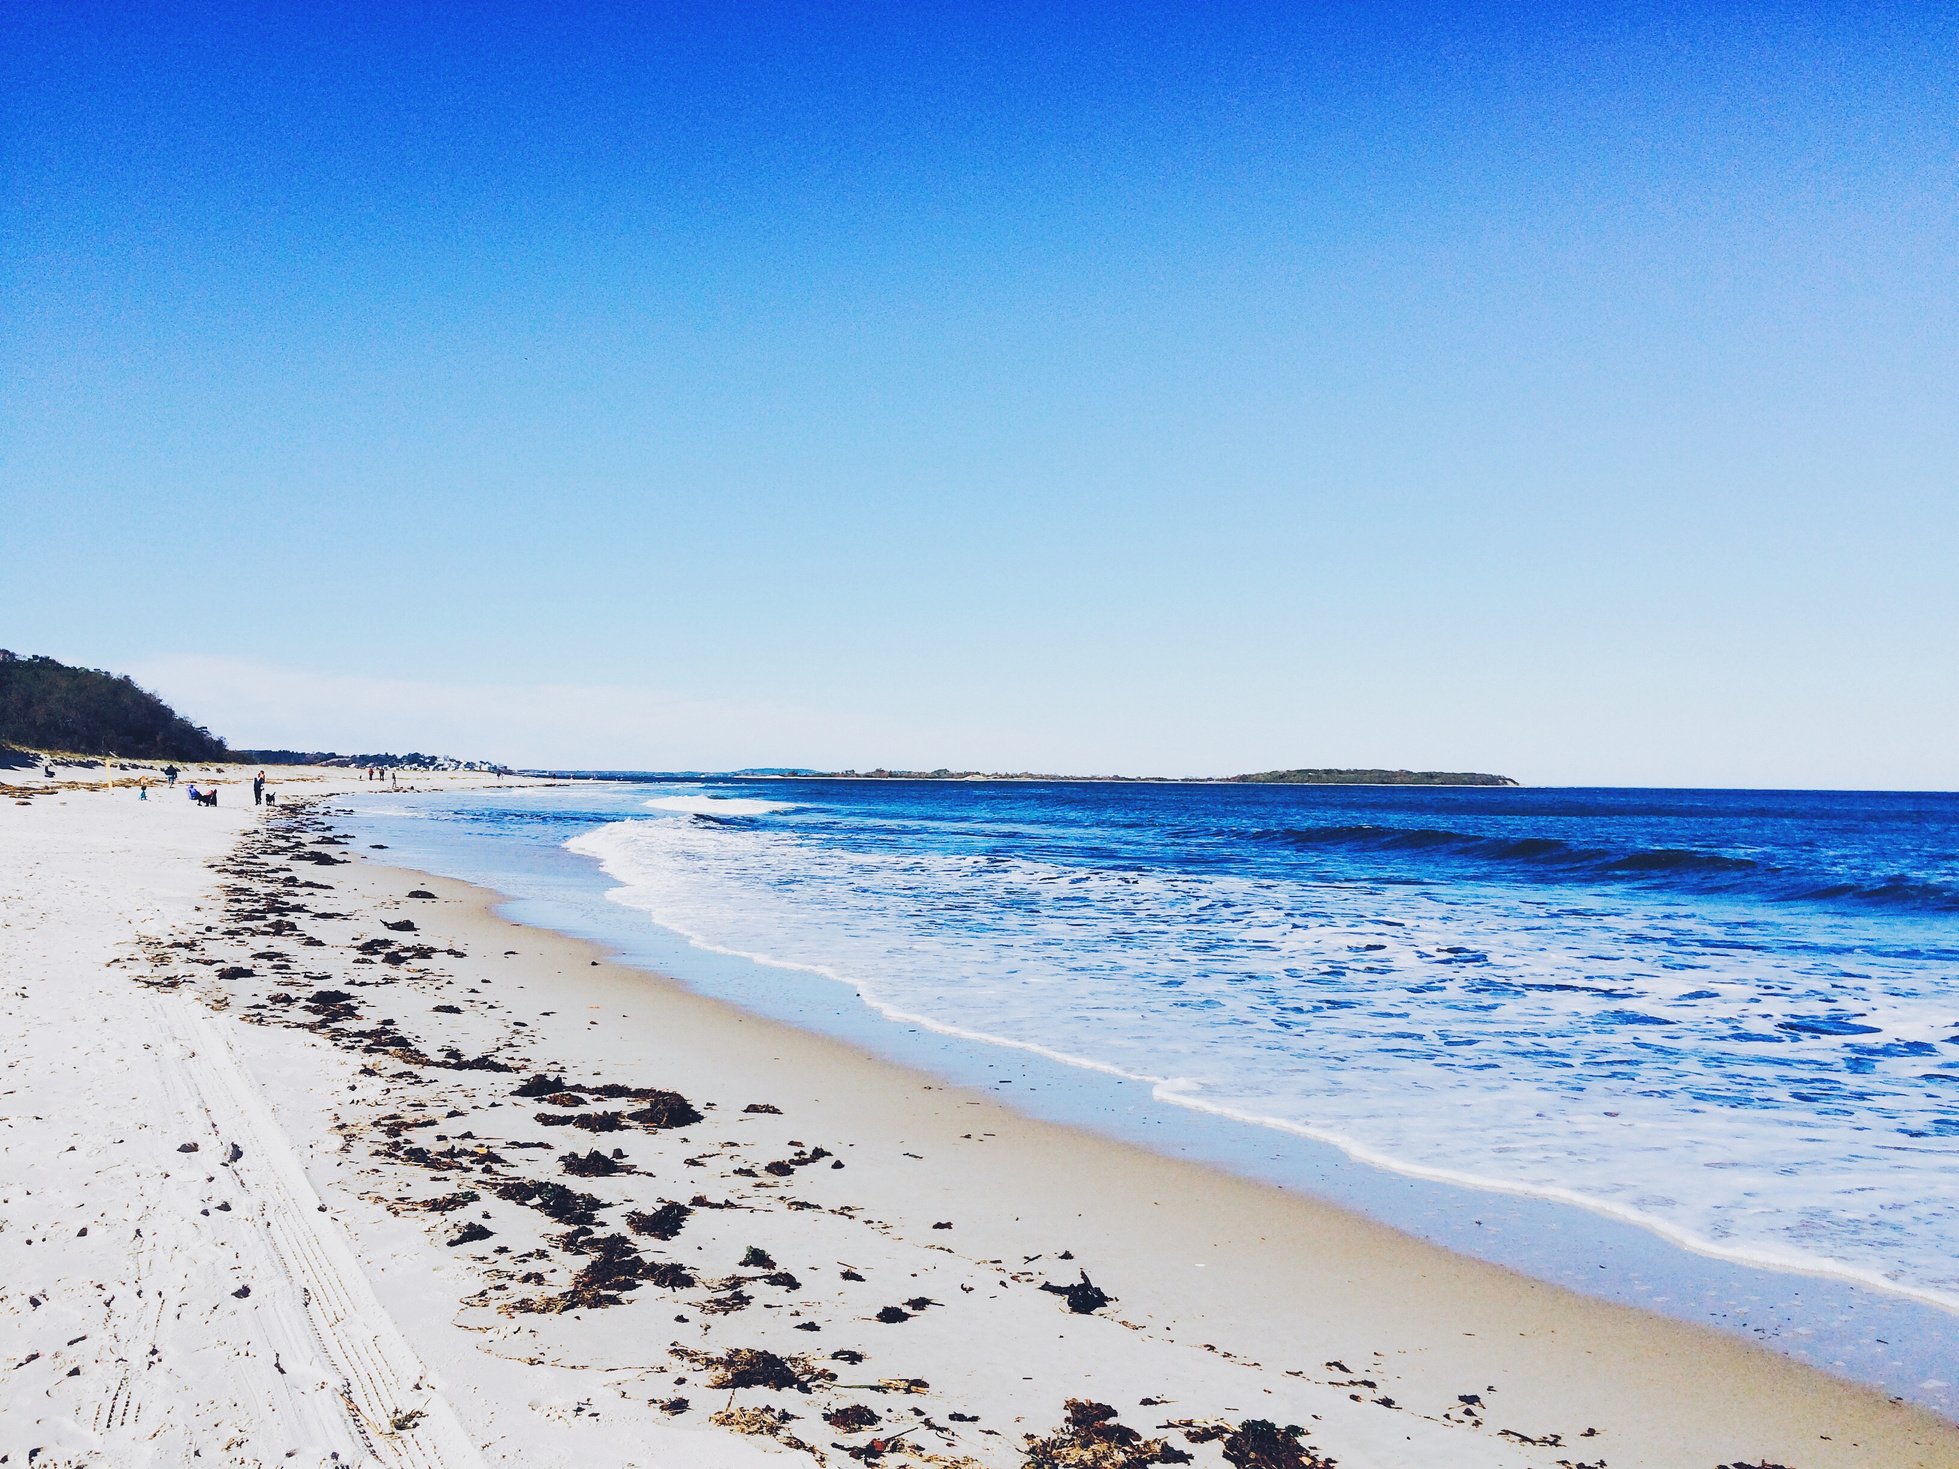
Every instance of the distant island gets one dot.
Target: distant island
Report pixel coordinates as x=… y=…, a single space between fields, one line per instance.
x=1371 y=778
x=1300 y=777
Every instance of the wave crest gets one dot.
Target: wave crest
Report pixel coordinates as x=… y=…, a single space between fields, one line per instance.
x=1553 y=859
x=716 y=806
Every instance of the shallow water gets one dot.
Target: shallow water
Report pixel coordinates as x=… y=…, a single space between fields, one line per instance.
x=1729 y=1019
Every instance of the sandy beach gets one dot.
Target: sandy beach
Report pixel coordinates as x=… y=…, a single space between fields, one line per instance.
x=311 y=1159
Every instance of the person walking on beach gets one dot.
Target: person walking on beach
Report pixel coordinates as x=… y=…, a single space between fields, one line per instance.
x=170 y=774
x=258 y=789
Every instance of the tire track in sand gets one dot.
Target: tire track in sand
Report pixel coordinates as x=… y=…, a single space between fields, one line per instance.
x=396 y=1413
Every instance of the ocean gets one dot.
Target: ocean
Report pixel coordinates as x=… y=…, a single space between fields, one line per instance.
x=1726 y=1022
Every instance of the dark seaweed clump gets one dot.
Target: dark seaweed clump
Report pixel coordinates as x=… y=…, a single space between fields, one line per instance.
x=1090 y=1438
x=1083 y=1297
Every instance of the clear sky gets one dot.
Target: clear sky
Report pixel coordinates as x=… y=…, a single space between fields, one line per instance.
x=1572 y=393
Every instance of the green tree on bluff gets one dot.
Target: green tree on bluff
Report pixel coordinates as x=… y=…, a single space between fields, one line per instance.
x=47 y=705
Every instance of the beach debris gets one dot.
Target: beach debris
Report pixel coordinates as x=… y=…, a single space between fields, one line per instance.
x=1549 y=1441
x=591 y=1164
x=766 y=1107
x=783 y=1167
x=469 y=1234
x=659 y=1110
x=663 y=1110
x=1258 y=1443
x=755 y=1258
x=420 y=893
x=1197 y=1430
x=1091 y=1438
x=613 y=1267
x=755 y=1367
x=585 y=1121
x=399 y=925
x=892 y=1315
x=770 y=1422
x=1084 y=1297
x=553 y=1200
x=441 y=1204
x=873 y=1450
x=852 y=1418
x=662 y=1223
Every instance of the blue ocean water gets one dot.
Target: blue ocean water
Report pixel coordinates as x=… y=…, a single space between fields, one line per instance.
x=1731 y=1018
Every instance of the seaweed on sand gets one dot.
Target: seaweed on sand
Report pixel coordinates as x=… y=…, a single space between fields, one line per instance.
x=1258 y=1443
x=664 y=1110
x=755 y=1367
x=770 y=1422
x=585 y=1121
x=1090 y=1438
x=662 y=1223
x=613 y=1267
x=592 y=1164
x=553 y=1200
x=1084 y=1297
x=660 y=1109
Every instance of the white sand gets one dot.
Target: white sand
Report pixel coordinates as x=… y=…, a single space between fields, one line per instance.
x=1233 y=1301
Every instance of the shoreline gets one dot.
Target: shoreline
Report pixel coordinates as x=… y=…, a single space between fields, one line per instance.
x=1283 y=1212
x=1236 y=1299
x=1876 y=1333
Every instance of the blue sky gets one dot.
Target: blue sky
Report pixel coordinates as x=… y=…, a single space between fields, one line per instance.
x=1568 y=393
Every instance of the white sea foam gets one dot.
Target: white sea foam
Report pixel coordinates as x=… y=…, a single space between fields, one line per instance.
x=1607 y=1055
x=716 y=805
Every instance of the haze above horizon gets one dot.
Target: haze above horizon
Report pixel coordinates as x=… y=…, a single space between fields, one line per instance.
x=1085 y=389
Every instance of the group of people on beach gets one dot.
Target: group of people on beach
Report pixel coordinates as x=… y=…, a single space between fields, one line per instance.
x=209 y=796
x=391 y=775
